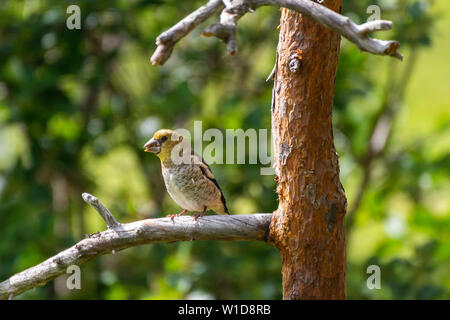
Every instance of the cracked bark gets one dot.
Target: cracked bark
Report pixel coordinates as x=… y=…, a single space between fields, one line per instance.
x=308 y=226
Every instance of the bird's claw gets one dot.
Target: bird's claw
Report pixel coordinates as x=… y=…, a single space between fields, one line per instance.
x=196 y=216
x=172 y=216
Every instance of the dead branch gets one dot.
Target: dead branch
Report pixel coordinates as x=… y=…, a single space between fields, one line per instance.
x=118 y=237
x=167 y=40
x=235 y=9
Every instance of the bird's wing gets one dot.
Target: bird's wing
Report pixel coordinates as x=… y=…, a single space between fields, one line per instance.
x=203 y=166
x=206 y=170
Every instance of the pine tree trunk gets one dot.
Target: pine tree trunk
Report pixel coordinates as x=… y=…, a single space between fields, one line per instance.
x=308 y=226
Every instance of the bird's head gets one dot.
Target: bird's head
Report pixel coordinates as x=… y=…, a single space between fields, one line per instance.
x=163 y=142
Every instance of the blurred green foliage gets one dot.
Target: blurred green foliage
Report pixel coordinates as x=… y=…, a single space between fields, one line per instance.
x=76 y=107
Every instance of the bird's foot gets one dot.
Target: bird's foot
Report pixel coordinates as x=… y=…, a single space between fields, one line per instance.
x=172 y=216
x=196 y=216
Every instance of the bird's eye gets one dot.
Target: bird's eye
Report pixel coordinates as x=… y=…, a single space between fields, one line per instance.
x=163 y=138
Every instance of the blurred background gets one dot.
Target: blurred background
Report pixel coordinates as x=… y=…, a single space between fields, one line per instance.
x=76 y=107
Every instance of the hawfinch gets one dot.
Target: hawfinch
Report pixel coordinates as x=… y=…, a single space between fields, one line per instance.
x=188 y=179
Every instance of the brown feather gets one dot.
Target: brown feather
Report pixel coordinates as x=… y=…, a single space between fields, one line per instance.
x=208 y=173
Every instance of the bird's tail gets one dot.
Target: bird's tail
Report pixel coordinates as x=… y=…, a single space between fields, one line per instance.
x=225 y=208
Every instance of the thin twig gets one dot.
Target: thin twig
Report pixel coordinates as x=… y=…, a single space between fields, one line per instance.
x=111 y=222
x=167 y=40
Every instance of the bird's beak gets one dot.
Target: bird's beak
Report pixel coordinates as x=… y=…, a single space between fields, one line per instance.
x=152 y=145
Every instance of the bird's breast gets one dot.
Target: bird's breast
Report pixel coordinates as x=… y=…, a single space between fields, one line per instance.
x=183 y=186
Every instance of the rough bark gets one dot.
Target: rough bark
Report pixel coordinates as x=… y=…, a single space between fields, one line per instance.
x=308 y=226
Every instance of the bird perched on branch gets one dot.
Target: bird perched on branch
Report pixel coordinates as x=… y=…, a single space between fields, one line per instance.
x=188 y=179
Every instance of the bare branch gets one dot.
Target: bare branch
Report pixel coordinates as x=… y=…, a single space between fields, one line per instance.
x=167 y=40
x=234 y=10
x=372 y=26
x=226 y=29
x=344 y=26
x=252 y=227
x=111 y=222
